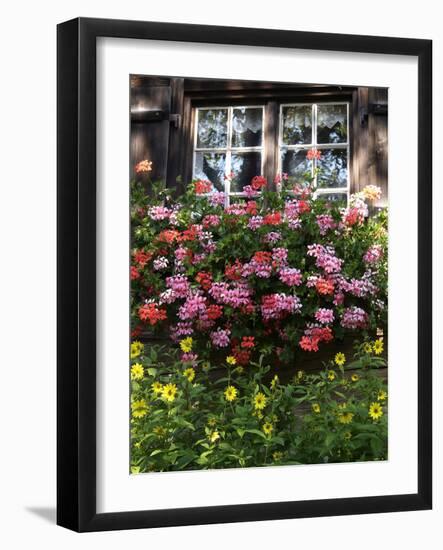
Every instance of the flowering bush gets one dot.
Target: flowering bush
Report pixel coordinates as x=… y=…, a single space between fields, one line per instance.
x=185 y=418
x=276 y=272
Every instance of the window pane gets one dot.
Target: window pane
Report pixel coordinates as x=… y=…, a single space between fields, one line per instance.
x=247 y=127
x=297 y=124
x=337 y=198
x=294 y=163
x=333 y=166
x=332 y=124
x=245 y=166
x=212 y=128
x=211 y=166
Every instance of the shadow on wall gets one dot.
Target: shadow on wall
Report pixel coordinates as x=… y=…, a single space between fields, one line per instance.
x=47 y=513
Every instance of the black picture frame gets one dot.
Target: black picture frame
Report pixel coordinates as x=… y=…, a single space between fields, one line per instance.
x=76 y=372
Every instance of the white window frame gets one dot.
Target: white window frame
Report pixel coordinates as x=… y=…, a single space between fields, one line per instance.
x=314 y=145
x=229 y=149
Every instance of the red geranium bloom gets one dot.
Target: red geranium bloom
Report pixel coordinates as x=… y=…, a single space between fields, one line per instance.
x=142 y=258
x=258 y=182
x=202 y=187
x=272 y=219
x=188 y=234
x=323 y=334
x=308 y=344
x=135 y=274
x=168 y=236
x=251 y=208
x=247 y=309
x=151 y=313
x=233 y=271
x=313 y=154
x=214 y=312
x=353 y=216
x=324 y=286
x=262 y=257
x=242 y=356
x=303 y=206
x=204 y=279
x=248 y=342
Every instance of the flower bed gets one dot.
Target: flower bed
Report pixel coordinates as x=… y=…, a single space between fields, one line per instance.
x=182 y=418
x=243 y=292
x=278 y=272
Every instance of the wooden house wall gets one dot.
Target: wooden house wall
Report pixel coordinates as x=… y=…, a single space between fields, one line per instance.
x=166 y=139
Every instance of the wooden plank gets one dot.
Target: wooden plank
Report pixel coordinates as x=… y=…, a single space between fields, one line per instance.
x=378 y=144
x=271 y=141
x=150 y=139
x=188 y=137
x=175 y=133
x=359 y=140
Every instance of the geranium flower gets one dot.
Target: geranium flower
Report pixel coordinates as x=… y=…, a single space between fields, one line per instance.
x=313 y=154
x=143 y=166
x=151 y=313
x=258 y=182
x=201 y=187
x=272 y=219
x=134 y=273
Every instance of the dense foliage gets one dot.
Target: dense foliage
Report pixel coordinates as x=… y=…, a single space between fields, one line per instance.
x=185 y=418
x=279 y=271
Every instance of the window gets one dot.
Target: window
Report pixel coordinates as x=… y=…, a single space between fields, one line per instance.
x=231 y=140
x=228 y=140
x=322 y=126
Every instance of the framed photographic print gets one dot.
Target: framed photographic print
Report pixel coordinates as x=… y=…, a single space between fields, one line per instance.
x=244 y=274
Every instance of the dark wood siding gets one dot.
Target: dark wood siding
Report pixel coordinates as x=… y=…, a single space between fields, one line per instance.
x=369 y=140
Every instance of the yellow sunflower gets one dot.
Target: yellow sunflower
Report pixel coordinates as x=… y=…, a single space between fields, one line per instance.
x=382 y=395
x=331 y=375
x=214 y=436
x=136 y=349
x=231 y=393
x=260 y=401
x=375 y=411
x=340 y=359
x=378 y=346
x=316 y=407
x=169 y=392
x=277 y=455
x=267 y=428
x=189 y=374
x=355 y=377
x=367 y=348
x=186 y=344
x=231 y=360
x=137 y=371
x=345 y=417
x=139 y=408
x=157 y=387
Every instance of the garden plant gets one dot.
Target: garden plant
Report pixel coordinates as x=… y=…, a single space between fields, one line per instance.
x=242 y=289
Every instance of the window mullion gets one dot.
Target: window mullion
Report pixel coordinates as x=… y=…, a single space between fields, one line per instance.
x=228 y=169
